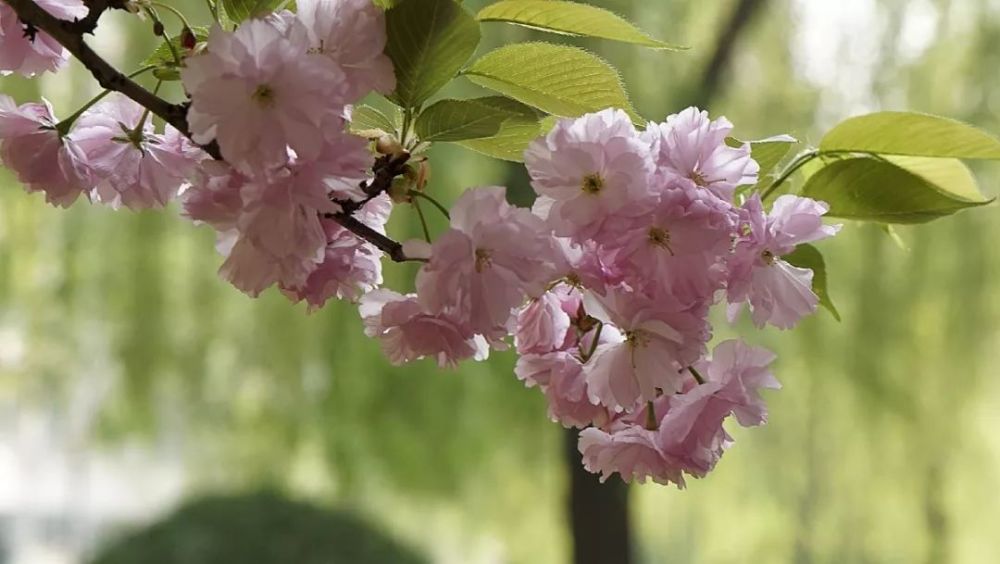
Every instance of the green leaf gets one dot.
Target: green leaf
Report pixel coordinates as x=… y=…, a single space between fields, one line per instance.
x=900 y=190
x=768 y=153
x=906 y=133
x=240 y=10
x=367 y=121
x=808 y=256
x=459 y=120
x=429 y=41
x=163 y=57
x=557 y=79
x=570 y=18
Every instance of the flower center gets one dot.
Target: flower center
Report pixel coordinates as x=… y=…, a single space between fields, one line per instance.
x=768 y=257
x=636 y=339
x=264 y=96
x=660 y=237
x=698 y=179
x=592 y=183
x=483 y=259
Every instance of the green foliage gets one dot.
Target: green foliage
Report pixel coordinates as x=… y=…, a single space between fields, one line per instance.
x=370 y=122
x=557 y=79
x=570 y=18
x=428 y=42
x=901 y=190
x=263 y=528
x=241 y=10
x=768 y=153
x=808 y=256
x=906 y=133
x=523 y=125
x=459 y=120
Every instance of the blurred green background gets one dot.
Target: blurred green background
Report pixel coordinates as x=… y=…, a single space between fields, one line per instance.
x=131 y=377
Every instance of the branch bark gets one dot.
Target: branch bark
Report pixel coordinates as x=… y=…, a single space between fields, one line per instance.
x=70 y=35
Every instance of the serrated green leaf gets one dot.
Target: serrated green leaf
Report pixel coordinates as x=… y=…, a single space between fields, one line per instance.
x=241 y=10
x=908 y=133
x=570 y=18
x=163 y=57
x=459 y=120
x=557 y=79
x=516 y=132
x=808 y=256
x=367 y=121
x=428 y=42
x=903 y=190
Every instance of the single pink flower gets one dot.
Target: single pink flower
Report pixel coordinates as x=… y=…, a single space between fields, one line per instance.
x=657 y=341
x=27 y=55
x=740 y=371
x=351 y=267
x=676 y=249
x=629 y=450
x=258 y=90
x=566 y=391
x=545 y=323
x=493 y=256
x=692 y=147
x=407 y=332
x=351 y=33
x=133 y=166
x=778 y=292
x=43 y=161
x=586 y=169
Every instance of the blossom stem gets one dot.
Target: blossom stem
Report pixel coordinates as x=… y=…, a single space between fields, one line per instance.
x=423 y=220
x=597 y=338
x=64 y=126
x=160 y=30
x=436 y=203
x=651 y=422
x=213 y=9
x=697 y=376
x=175 y=11
x=798 y=163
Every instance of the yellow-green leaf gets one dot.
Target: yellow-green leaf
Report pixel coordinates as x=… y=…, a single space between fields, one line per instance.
x=570 y=18
x=914 y=134
x=910 y=190
x=557 y=79
x=459 y=120
x=367 y=121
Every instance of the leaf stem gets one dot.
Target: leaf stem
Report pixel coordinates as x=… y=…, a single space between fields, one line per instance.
x=423 y=220
x=175 y=11
x=798 y=163
x=593 y=345
x=436 y=203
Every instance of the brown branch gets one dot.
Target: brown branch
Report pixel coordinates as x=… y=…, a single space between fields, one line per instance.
x=69 y=36
x=97 y=8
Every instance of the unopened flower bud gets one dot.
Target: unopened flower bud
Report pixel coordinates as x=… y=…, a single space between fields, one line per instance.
x=188 y=39
x=388 y=145
x=158 y=29
x=399 y=190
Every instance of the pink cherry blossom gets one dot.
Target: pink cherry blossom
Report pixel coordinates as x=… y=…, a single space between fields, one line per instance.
x=407 y=332
x=258 y=90
x=545 y=323
x=690 y=146
x=657 y=341
x=352 y=33
x=586 y=169
x=629 y=450
x=740 y=370
x=778 y=292
x=484 y=266
x=43 y=161
x=351 y=266
x=20 y=53
x=690 y=434
x=566 y=391
x=677 y=249
x=133 y=165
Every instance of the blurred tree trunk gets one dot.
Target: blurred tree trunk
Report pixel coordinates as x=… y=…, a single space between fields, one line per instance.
x=599 y=513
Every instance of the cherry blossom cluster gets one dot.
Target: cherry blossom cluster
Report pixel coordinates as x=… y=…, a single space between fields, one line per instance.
x=607 y=283
x=604 y=287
